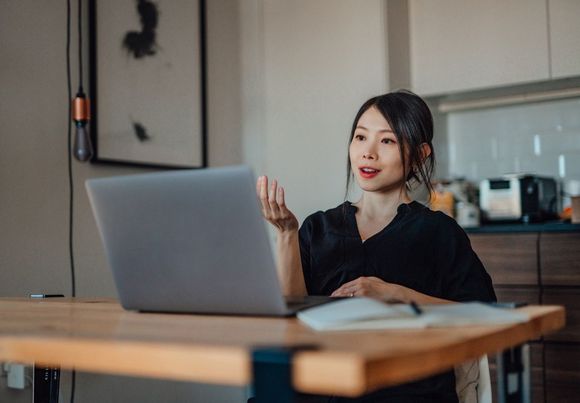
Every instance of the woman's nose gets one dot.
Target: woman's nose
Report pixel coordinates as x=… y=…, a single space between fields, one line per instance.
x=369 y=154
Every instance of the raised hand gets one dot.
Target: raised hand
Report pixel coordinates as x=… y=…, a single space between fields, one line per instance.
x=274 y=207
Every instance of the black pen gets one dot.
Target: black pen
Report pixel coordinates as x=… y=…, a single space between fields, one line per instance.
x=511 y=305
x=46 y=296
x=415 y=307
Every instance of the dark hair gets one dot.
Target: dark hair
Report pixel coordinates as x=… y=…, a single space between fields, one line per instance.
x=412 y=123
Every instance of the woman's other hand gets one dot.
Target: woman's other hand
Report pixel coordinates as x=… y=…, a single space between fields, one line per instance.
x=376 y=288
x=371 y=287
x=274 y=207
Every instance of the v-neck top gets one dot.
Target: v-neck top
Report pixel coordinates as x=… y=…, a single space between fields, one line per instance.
x=421 y=249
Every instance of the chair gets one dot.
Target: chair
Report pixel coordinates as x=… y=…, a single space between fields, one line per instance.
x=472 y=381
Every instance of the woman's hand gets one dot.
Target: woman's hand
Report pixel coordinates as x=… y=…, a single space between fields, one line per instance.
x=371 y=287
x=376 y=288
x=274 y=207
x=289 y=264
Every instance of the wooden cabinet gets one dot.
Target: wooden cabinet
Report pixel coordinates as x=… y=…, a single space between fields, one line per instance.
x=508 y=258
x=531 y=295
x=458 y=45
x=560 y=259
x=564 y=37
x=562 y=373
x=570 y=298
x=541 y=267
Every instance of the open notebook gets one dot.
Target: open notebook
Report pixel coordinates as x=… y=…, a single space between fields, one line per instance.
x=370 y=314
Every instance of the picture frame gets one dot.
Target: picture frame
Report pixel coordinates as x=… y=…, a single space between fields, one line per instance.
x=148 y=83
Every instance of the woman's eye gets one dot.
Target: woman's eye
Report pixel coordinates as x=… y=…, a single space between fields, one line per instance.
x=388 y=141
x=359 y=137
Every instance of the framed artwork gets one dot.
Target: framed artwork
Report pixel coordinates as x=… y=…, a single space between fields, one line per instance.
x=148 y=82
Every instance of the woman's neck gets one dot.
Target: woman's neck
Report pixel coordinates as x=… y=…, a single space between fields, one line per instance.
x=378 y=206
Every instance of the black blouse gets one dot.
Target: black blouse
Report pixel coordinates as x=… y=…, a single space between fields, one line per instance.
x=420 y=249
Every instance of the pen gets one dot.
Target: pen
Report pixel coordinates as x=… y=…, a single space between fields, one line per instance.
x=46 y=295
x=415 y=308
x=512 y=305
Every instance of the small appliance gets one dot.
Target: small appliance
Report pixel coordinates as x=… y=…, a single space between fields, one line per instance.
x=519 y=197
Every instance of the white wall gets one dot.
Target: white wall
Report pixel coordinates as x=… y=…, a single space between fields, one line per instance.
x=34 y=184
x=33 y=148
x=322 y=59
x=285 y=81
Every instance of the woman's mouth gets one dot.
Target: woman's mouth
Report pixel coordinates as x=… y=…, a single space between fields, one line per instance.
x=368 y=173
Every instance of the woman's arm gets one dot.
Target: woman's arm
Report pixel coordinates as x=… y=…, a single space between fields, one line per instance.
x=275 y=212
x=408 y=295
x=374 y=287
x=289 y=265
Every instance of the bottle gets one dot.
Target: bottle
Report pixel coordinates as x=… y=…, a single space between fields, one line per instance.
x=467 y=215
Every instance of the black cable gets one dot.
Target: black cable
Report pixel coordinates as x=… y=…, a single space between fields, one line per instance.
x=69 y=155
x=70 y=173
x=80 y=18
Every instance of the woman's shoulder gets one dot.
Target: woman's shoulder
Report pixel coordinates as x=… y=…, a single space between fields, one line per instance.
x=329 y=219
x=423 y=209
x=436 y=220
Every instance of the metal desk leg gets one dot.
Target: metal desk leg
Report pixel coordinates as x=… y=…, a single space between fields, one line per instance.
x=272 y=374
x=513 y=375
x=46 y=384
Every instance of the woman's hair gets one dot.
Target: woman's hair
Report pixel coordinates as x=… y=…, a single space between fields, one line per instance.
x=412 y=123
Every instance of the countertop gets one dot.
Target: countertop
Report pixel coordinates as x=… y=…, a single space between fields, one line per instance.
x=548 y=226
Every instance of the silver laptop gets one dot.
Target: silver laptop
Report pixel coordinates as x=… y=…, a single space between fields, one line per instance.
x=191 y=241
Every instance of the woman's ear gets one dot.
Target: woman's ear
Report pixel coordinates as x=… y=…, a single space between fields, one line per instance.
x=425 y=151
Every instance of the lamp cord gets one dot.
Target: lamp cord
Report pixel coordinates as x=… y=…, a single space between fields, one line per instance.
x=70 y=171
x=69 y=156
x=80 y=17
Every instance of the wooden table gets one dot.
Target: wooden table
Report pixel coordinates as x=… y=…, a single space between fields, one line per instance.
x=97 y=335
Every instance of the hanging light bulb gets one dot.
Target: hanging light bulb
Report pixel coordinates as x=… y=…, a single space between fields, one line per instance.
x=83 y=148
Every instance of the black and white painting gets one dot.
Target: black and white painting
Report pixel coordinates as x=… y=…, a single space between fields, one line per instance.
x=147 y=82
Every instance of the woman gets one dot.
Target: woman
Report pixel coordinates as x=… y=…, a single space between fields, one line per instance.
x=385 y=245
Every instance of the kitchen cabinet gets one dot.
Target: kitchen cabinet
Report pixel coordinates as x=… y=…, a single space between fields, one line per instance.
x=570 y=298
x=457 y=45
x=531 y=295
x=517 y=251
x=560 y=255
x=562 y=363
x=540 y=264
x=564 y=37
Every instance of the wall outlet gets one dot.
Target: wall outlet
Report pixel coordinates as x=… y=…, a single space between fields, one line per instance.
x=16 y=376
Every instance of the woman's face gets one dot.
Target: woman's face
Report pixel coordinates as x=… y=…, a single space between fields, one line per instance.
x=374 y=154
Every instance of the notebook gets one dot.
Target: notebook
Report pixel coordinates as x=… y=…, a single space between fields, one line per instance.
x=191 y=241
x=370 y=314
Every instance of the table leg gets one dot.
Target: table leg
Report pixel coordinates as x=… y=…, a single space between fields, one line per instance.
x=46 y=384
x=272 y=374
x=513 y=375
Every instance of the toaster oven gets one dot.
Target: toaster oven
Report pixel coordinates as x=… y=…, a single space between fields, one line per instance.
x=526 y=198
